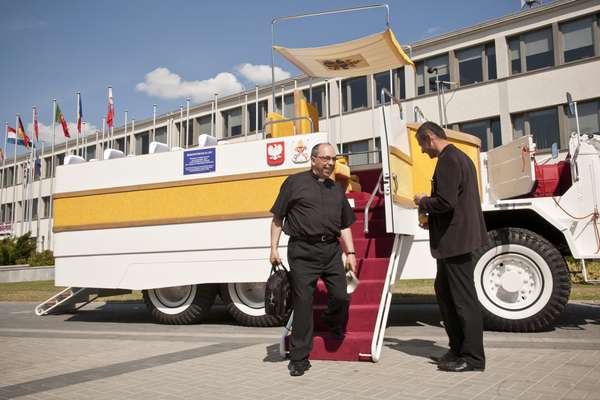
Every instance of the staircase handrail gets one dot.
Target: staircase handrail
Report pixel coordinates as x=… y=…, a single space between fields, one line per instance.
x=376 y=190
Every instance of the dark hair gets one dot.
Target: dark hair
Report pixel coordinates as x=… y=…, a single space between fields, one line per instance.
x=431 y=127
x=315 y=150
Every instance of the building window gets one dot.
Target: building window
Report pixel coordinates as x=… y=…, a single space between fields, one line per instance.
x=425 y=79
x=538 y=47
x=288 y=111
x=142 y=143
x=34 y=209
x=181 y=128
x=354 y=94
x=361 y=148
x=160 y=134
x=47 y=167
x=90 y=152
x=251 y=112
x=577 y=39
x=206 y=125
x=589 y=117
x=233 y=122
x=490 y=53
x=382 y=81
x=59 y=160
x=541 y=124
x=487 y=130
x=470 y=65
x=318 y=98
x=45 y=206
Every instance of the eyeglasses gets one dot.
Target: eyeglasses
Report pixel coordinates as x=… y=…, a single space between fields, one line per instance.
x=327 y=158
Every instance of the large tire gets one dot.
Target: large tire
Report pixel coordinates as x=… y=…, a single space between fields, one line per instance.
x=246 y=304
x=180 y=305
x=522 y=281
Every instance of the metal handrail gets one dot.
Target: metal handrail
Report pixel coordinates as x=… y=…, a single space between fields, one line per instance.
x=312 y=127
x=376 y=190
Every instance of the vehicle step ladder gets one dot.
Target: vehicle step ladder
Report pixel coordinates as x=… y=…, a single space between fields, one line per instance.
x=74 y=296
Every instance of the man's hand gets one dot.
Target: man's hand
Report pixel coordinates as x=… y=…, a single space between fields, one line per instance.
x=274 y=257
x=418 y=197
x=351 y=262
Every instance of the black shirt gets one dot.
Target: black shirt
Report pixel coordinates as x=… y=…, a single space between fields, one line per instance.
x=311 y=208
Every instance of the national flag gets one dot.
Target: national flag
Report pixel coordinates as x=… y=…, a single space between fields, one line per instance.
x=37 y=171
x=61 y=118
x=111 y=109
x=22 y=134
x=79 y=114
x=36 y=128
x=13 y=138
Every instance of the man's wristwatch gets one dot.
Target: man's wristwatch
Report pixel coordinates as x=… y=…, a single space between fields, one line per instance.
x=350 y=252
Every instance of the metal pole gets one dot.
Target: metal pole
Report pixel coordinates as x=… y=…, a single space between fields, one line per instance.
x=78 y=131
x=14 y=213
x=153 y=123
x=52 y=175
x=83 y=147
x=439 y=98
x=283 y=101
x=327 y=107
x=133 y=150
x=187 y=123
x=245 y=114
x=216 y=111
x=125 y=136
x=256 y=113
x=39 y=199
x=180 y=141
x=102 y=148
x=340 y=134
x=3 y=176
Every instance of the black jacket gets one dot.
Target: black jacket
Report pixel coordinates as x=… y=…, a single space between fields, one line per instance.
x=456 y=224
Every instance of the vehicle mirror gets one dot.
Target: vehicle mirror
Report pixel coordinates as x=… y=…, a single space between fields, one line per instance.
x=554 y=150
x=571 y=105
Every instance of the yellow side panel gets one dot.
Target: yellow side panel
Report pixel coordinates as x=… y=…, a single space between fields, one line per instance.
x=219 y=200
x=401 y=183
x=279 y=129
x=424 y=166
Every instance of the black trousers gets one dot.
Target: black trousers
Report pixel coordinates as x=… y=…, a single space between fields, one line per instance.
x=308 y=262
x=457 y=300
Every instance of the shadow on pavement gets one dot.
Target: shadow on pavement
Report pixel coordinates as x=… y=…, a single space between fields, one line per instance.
x=415 y=347
x=273 y=355
x=577 y=315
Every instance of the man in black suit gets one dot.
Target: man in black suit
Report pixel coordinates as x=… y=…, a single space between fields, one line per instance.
x=456 y=228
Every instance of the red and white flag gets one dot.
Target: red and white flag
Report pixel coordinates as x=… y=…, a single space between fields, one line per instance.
x=111 y=109
x=36 y=128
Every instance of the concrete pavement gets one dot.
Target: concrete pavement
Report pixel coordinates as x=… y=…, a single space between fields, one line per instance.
x=109 y=351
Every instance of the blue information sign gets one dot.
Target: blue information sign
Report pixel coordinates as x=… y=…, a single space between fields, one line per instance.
x=199 y=161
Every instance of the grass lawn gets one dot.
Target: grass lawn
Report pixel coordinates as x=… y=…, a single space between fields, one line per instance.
x=409 y=291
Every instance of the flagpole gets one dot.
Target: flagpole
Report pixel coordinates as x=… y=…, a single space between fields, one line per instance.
x=37 y=236
x=49 y=237
x=245 y=114
x=125 y=136
x=97 y=144
x=3 y=209
x=256 y=113
x=103 y=142
x=216 y=111
x=30 y=188
x=187 y=123
x=83 y=148
x=78 y=129
x=179 y=141
x=132 y=135
x=212 y=119
x=14 y=213
x=153 y=123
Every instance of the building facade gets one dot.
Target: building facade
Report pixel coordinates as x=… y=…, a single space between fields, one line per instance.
x=501 y=79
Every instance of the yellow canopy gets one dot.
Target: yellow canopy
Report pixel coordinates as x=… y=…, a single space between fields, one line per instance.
x=371 y=54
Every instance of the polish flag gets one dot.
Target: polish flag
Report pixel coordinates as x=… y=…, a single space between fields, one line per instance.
x=111 y=109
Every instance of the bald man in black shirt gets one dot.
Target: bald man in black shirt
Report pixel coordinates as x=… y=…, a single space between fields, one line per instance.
x=313 y=211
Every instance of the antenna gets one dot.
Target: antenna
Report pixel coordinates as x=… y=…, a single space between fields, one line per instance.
x=530 y=3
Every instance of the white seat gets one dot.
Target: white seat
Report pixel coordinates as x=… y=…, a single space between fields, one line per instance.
x=158 y=147
x=109 y=154
x=205 y=140
x=73 y=159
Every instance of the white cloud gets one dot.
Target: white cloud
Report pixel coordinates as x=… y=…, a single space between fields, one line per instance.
x=46 y=132
x=261 y=74
x=433 y=30
x=167 y=85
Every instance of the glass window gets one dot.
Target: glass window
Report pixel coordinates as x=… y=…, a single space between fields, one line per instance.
x=289 y=105
x=479 y=129
x=262 y=108
x=496 y=132
x=90 y=152
x=577 y=38
x=490 y=53
x=205 y=122
x=543 y=125
x=518 y=126
x=539 y=51
x=589 y=117
x=48 y=167
x=420 y=78
x=357 y=147
x=318 y=98
x=233 y=122
x=45 y=206
x=142 y=143
x=515 y=55
x=470 y=65
x=400 y=83
x=60 y=160
x=160 y=135
x=181 y=128
x=382 y=81
x=34 y=209
x=354 y=94
x=441 y=64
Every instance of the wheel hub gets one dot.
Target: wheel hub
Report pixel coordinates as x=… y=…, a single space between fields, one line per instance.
x=174 y=296
x=512 y=281
x=252 y=294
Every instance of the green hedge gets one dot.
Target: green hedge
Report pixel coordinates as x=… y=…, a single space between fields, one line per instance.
x=22 y=250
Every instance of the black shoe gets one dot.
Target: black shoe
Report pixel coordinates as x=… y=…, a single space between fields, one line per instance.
x=459 y=365
x=446 y=357
x=336 y=334
x=298 y=368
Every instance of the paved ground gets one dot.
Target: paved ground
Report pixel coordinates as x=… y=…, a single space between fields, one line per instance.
x=114 y=351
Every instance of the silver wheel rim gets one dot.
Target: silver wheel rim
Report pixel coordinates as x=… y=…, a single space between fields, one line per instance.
x=248 y=297
x=172 y=300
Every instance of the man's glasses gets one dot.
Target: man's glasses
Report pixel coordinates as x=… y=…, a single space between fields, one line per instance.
x=327 y=158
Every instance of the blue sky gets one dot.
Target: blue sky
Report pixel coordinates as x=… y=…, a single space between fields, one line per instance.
x=160 y=52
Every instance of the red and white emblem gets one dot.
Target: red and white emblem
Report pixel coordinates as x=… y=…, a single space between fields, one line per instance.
x=275 y=153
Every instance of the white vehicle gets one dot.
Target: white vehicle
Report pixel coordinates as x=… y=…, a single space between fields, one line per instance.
x=186 y=225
